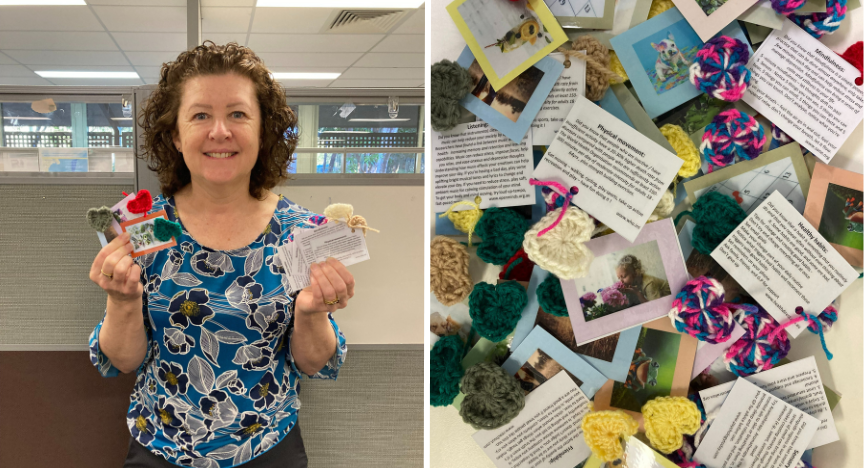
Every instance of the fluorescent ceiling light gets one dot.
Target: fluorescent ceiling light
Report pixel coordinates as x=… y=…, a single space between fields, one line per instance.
x=305 y=76
x=121 y=118
x=27 y=118
x=67 y=74
x=341 y=3
x=41 y=2
x=378 y=120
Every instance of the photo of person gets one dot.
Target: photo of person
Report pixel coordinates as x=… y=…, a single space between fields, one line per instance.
x=651 y=370
x=842 y=220
x=620 y=280
x=666 y=55
x=509 y=32
x=538 y=369
x=510 y=100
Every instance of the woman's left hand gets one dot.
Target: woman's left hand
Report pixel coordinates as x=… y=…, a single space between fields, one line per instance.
x=330 y=281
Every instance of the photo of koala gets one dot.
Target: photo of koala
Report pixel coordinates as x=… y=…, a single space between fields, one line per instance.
x=668 y=58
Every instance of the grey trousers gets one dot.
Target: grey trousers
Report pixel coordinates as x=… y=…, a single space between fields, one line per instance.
x=288 y=453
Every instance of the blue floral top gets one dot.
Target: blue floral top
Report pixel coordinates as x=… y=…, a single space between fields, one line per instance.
x=218 y=385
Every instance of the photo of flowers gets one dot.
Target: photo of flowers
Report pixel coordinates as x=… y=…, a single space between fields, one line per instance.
x=142 y=238
x=507 y=37
x=538 y=369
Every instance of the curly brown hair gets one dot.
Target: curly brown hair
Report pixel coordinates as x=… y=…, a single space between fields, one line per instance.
x=158 y=117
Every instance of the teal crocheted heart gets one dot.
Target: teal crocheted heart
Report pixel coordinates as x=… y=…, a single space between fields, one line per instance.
x=164 y=230
x=495 y=310
x=99 y=218
x=502 y=231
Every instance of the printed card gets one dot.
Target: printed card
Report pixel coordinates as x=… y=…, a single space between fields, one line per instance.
x=806 y=89
x=834 y=207
x=315 y=245
x=142 y=236
x=628 y=283
x=560 y=100
x=540 y=357
x=507 y=38
x=755 y=429
x=474 y=159
x=660 y=366
x=636 y=455
x=598 y=14
x=619 y=172
x=783 y=262
x=512 y=109
x=547 y=433
x=798 y=384
x=708 y=17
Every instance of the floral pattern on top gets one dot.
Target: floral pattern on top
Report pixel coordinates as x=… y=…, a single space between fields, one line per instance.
x=218 y=386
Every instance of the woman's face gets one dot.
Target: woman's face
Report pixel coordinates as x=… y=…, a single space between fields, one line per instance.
x=218 y=128
x=625 y=275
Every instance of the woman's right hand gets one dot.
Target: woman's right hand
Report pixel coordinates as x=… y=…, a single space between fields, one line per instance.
x=115 y=271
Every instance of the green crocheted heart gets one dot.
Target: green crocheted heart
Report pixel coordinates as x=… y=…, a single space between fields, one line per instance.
x=492 y=396
x=495 y=310
x=551 y=297
x=502 y=231
x=99 y=218
x=164 y=230
x=445 y=370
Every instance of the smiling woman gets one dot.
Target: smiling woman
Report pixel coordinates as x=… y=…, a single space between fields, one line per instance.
x=219 y=134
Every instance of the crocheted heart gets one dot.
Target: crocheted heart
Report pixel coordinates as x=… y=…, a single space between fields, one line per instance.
x=492 y=396
x=141 y=203
x=667 y=419
x=495 y=310
x=604 y=430
x=502 y=231
x=445 y=370
x=164 y=230
x=561 y=251
x=99 y=218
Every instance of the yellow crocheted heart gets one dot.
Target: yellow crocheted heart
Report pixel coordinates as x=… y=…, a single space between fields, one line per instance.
x=604 y=431
x=465 y=220
x=667 y=419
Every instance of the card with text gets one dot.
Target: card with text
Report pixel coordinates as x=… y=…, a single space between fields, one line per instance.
x=783 y=262
x=755 y=429
x=807 y=90
x=620 y=173
x=798 y=384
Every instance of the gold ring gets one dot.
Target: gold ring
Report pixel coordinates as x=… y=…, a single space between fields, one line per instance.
x=336 y=301
x=106 y=274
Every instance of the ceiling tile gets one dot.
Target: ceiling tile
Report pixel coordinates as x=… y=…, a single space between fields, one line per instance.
x=26 y=40
x=148 y=72
x=313 y=42
x=402 y=43
x=96 y=82
x=305 y=84
x=54 y=58
x=227 y=3
x=151 y=59
x=274 y=60
x=355 y=73
x=307 y=69
x=4 y=60
x=223 y=38
x=100 y=68
x=48 y=18
x=151 y=42
x=415 y=24
x=143 y=19
x=294 y=20
x=37 y=81
x=391 y=60
x=225 y=20
x=18 y=71
x=174 y=3
x=340 y=83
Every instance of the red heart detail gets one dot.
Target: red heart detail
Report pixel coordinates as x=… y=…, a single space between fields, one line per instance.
x=737 y=196
x=141 y=203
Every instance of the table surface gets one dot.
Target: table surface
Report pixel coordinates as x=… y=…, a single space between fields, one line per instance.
x=450 y=442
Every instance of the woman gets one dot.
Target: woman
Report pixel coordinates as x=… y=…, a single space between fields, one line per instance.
x=221 y=346
x=644 y=288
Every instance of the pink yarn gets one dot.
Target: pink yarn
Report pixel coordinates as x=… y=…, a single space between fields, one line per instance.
x=699 y=311
x=569 y=195
x=720 y=68
x=759 y=349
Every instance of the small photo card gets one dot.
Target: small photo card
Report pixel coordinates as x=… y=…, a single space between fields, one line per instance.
x=620 y=173
x=834 y=207
x=511 y=109
x=807 y=90
x=708 y=17
x=507 y=38
x=141 y=234
x=783 y=262
x=751 y=182
x=547 y=433
x=474 y=159
x=627 y=284
x=755 y=429
x=657 y=55
x=121 y=214
x=798 y=384
x=585 y=14
x=610 y=355
x=660 y=366
x=560 y=100
x=540 y=356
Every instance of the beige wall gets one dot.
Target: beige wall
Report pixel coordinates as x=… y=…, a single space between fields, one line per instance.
x=388 y=304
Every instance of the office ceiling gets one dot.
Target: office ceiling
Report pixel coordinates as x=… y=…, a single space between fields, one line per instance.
x=112 y=35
